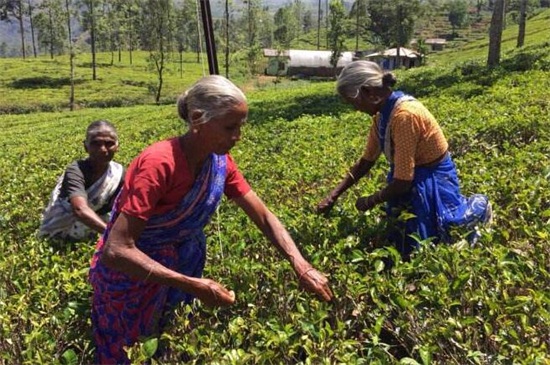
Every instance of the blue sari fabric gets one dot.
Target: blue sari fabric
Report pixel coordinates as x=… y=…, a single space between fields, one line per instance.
x=124 y=308
x=435 y=200
x=438 y=207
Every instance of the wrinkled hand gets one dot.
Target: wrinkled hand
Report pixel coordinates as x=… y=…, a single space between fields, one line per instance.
x=325 y=205
x=316 y=283
x=365 y=203
x=213 y=294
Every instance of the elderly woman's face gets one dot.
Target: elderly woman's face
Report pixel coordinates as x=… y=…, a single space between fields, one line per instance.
x=101 y=146
x=367 y=101
x=223 y=132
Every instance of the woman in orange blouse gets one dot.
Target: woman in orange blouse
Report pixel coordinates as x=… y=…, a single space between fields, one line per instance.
x=422 y=176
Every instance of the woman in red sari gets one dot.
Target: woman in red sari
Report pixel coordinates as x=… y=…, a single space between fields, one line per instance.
x=152 y=254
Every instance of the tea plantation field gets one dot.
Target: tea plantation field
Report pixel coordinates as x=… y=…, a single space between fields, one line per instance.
x=488 y=304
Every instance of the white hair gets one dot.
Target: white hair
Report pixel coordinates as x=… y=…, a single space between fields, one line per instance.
x=212 y=96
x=100 y=126
x=362 y=73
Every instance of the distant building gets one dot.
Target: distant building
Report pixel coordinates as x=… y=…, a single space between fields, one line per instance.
x=303 y=63
x=436 y=44
x=390 y=60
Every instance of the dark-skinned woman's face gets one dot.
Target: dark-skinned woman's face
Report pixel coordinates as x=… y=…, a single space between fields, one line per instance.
x=101 y=146
x=367 y=101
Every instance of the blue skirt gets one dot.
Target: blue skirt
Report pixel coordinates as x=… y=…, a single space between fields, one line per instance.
x=437 y=206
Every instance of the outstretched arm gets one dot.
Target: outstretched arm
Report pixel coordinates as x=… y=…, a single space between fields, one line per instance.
x=311 y=279
x=86 y=215
x=120 y=253
x=357 y=171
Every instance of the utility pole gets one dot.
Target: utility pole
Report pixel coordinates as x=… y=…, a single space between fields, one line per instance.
x=209 y=37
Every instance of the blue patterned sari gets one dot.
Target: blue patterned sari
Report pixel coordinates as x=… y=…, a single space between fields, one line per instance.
x=435 y=201
x=124 y=308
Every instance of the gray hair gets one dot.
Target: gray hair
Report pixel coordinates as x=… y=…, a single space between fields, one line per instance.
x=99 y=126
x=363 y=73
x=212 y=95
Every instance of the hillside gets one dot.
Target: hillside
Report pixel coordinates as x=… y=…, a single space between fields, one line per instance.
x=537 y=34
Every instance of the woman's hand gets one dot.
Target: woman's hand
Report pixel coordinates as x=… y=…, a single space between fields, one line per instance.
x=366 y=203
x=316 y=283
x=325 y=205
x=213 y=294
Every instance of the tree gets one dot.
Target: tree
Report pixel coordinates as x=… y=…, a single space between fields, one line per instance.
x=285 y=25
x=319 y=14
x=522 y=21
x=229 y=40
x=89 y=23
x=265 y=33
x=458 y=14
x=30 y=7
x=307 y=21
x=50 y=24
x=253 y=46
x=156 y=37
x=495 y=33
x=186 y=29
x=358 y=12
x=392 y=22
x=14 y=8
x=337 y=31
x=71 y=52
x=130 y=21
x=112 y=19
x=19 y=16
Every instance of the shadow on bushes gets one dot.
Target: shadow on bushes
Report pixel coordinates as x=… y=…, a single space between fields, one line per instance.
x=292 y=108
x=101 y=64
x=43 y=82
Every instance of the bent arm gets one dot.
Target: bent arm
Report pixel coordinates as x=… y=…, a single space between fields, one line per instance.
x=277 y=234
x=395 y=189
x=392 y=191
x=357 y=171
x=86 y=215
x=121 y=253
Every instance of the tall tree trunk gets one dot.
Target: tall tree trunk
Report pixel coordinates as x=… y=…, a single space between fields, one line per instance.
x=32 y=29
x=119 y=46
x=71 y=52
x=227 y=38
x=21 y=28
x=249 y=9
x=357 y=25
x=319 y=26
x=400 y=36
x=52 y=36
x=160 y=69
x=326 y=24
x=522 y=21
x=131 y=41
x=181 y=62
x=92 y=38
x=495 y=33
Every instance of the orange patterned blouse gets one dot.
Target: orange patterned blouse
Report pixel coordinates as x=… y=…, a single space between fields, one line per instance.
x=416 y=139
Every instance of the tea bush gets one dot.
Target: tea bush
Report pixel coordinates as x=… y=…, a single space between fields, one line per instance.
x=451 y=304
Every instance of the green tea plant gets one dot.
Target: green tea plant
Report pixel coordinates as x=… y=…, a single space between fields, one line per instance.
x=451 y=304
